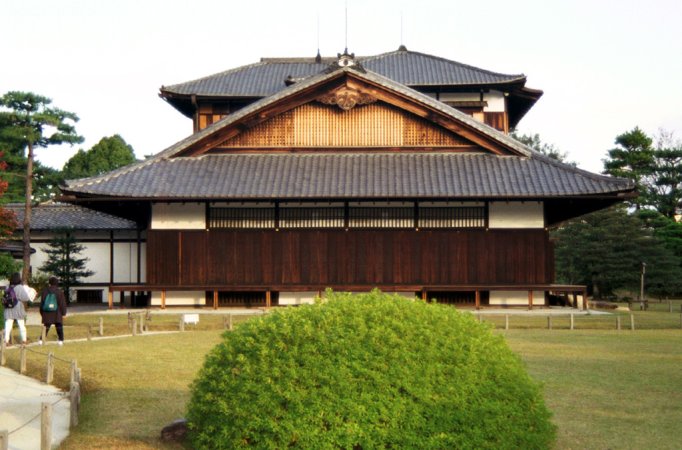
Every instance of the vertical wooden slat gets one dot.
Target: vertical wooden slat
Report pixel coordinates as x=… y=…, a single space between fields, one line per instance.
x=478 y=299
x=163 y=299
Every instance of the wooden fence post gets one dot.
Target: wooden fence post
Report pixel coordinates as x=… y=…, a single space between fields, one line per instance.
x=142 y=323
x=4 y=435
x=50 y=368
x=618 y=323
x=134 y=326
x=22 y=360
x=43 y=333
x=46 y=426
x=572 y=322
x=181 y=324
x=89 y=332
x=549 y=322
x=670 y=305
x=506 y=321
x=74 y=367
x=101 y=326
x=632 y=322
x=229 y=322
x=74 y=397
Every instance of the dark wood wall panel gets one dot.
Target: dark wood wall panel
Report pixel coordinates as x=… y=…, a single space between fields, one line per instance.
x=162 y=264
x=353 y=258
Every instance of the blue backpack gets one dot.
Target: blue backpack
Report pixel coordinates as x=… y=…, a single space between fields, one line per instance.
x=9 y=299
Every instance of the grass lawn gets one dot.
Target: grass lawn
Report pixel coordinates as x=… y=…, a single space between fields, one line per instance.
x=607 y=389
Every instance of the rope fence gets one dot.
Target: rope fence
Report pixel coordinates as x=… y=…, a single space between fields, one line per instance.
x=45 y=414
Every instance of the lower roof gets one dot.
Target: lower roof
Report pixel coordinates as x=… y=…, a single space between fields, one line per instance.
x=351 y=175
x=53 y=216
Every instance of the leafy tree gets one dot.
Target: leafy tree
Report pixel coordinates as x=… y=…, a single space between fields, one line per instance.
x=633 y=158
x=26 y=120
x=605 y=250
x=7 y=226
x=533 y=141
x=64 y=261
x=665 y=185
x=108 y=154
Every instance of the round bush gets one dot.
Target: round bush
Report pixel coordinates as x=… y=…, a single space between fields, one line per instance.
x=366 y=371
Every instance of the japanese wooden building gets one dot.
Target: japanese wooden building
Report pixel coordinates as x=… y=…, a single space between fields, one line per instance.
x=393 y=171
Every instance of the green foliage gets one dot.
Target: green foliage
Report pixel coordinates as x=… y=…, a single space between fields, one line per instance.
x=63 y=260
x=8 y=265
x=605 y=250
x=533 y=141
x=108 y=154
x=366 y=371
x=655 y=169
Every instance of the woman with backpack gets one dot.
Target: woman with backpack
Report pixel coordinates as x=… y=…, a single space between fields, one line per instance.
x=16 y=294
x=53 y=308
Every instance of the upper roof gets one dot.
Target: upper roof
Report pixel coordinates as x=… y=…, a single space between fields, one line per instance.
x=504 y=169
x=52 y=216
x=413 y=69
x=410 y=68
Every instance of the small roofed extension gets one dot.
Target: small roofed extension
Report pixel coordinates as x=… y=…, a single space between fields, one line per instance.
x=393 y=171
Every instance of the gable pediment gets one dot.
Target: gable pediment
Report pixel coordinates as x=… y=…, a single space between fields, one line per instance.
x=327 y=126
x=344 y=111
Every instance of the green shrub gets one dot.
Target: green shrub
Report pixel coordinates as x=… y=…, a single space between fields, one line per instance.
x=366 y=371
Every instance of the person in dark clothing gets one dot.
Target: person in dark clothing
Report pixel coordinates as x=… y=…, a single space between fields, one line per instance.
x=53 y=314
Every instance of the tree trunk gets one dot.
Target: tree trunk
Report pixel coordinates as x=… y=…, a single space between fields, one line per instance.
x=26 y=270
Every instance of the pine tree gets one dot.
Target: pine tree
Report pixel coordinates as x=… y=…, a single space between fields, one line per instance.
x=64 y=260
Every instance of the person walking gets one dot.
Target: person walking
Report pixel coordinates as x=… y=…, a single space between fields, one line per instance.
x=16 y=295
x=53 y=308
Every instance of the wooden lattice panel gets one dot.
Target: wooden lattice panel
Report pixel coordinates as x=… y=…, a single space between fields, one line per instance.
x=318 y=125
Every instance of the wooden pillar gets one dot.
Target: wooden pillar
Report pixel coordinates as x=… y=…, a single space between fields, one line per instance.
x=121 y=297
x=163 y=299
x=139 y=256
x=575 y=300
x=110 y=297
x=530 y=300
x=268 y=299
x=586 y=305
x=215 y=299
x=478 y=299
x=111 y=257
x=424 y=295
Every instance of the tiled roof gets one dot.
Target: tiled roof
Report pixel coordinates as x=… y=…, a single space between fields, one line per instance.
x=354 y=175
x=60 y=215
x=345 y=175
x=406 y=67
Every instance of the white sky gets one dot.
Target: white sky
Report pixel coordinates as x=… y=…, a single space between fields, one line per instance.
x=605 y=66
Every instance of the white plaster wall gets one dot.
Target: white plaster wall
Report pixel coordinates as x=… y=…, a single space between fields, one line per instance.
x=495 y=100
x=178 y=216
x=516 y=215
x=297 y=298
x=516 y=298
x=177 y=298
x=99 y=258
x=125 y=262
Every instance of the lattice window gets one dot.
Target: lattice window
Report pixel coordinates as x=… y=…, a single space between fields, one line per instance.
x=381 y=217
x=458 y=217
x=314 y=217
x=241 y=218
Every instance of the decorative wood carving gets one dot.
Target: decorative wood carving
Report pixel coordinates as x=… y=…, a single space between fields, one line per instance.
x=346 y=98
